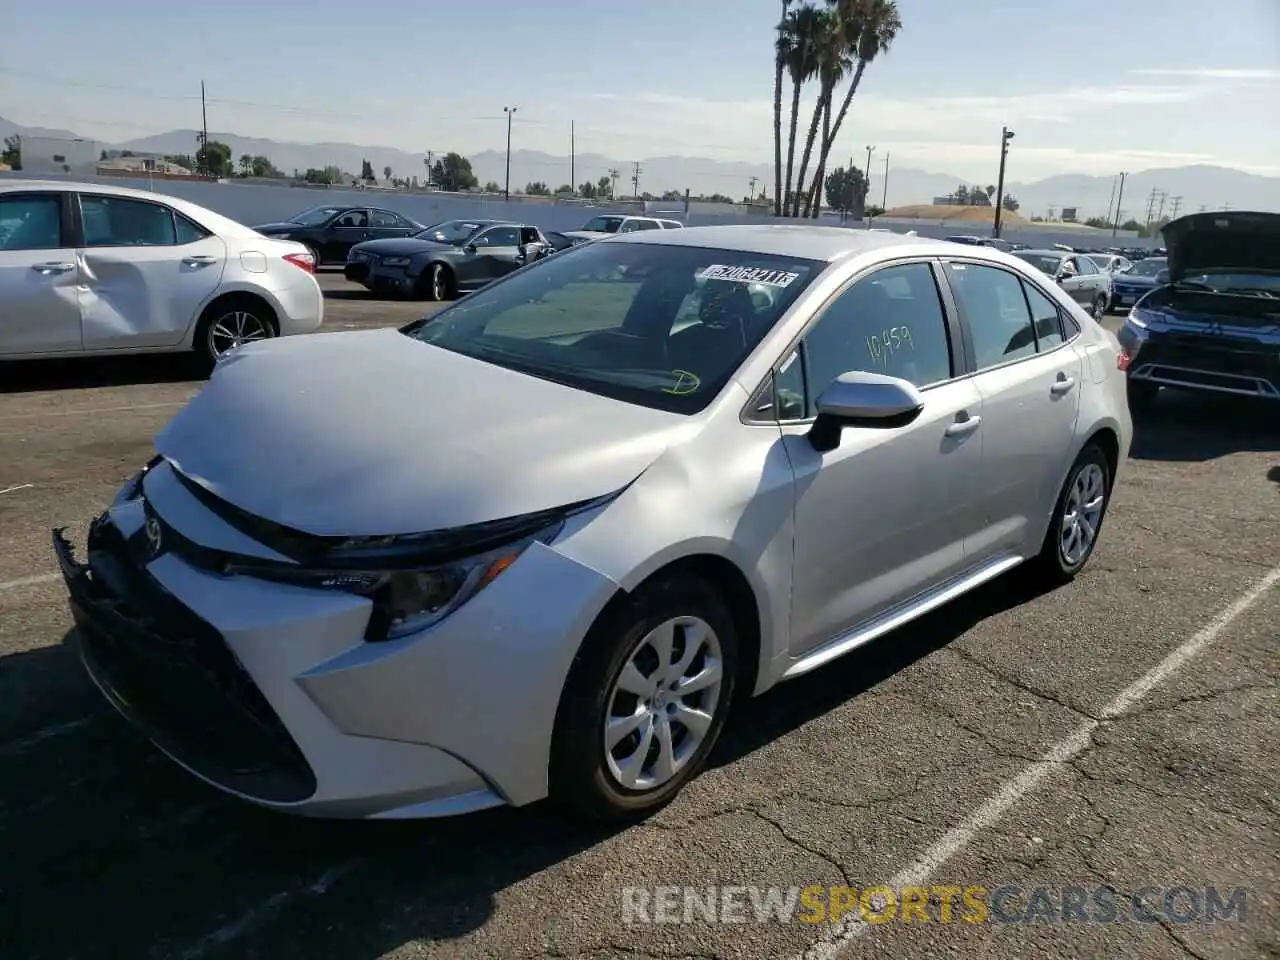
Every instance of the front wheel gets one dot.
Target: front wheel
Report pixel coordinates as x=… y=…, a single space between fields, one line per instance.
x=436 y=283
x=1099 y=307
x=1077 y=519
x=645 y=702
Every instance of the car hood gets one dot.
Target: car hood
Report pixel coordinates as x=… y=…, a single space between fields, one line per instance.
x=373 y=433
x=279 y=227
x=1228 y=242
x=403 y=247
x=585 y=234
x=1132 y=280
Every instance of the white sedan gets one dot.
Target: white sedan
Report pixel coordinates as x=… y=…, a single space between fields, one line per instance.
x=91 y=270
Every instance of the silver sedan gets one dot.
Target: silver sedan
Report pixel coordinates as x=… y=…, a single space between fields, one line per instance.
x=541 y=542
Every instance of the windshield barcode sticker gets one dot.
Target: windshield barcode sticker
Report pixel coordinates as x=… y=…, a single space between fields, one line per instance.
x=769 y=278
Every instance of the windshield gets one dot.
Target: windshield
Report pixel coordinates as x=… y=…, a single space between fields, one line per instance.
x=1148 y=268
x=450 y=231
x=315 y=216
x=1044 y=262
x=604 y=224
x=655 y=325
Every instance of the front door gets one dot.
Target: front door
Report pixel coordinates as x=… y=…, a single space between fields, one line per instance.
x=147 y=273
x=497 y=252
x=1030 y=381
x=884 y=516
x=39 y=277
x=348 y=228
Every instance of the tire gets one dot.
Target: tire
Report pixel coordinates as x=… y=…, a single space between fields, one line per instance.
x=1142 y=396
x=436 y=283
x=1056 y=564
x=230 y=323
x=1099 y=307
x=315 y=255
x=585 y=776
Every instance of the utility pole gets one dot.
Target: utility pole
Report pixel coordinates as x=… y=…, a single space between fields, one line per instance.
x=510 y=112
x=1151 y=204
x=866 y=180
x=202 y=158
x=1177 y=205
x=1005 y=136
x=430 y=168
x=1112 y=202
x=613 y=176
x=1163 y=197
x=573 y=159
x=751 y=190
x=884 y=199
x=1115 y=222
x=635 y=178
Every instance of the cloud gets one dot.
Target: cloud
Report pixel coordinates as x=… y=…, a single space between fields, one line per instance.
x=1214 y=73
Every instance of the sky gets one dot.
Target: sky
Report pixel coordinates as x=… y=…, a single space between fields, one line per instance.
x=1091 y=86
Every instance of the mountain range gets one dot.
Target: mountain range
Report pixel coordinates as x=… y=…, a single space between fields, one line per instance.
x=1212 y=187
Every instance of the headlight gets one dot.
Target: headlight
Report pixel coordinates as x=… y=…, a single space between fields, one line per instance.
x=396 y=262
x=408 y=599
x=282 y=236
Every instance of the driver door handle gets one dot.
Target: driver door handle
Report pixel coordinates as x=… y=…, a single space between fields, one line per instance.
x=54 y=267
x=964 y=425
x=1062 y=385
x=198 y=260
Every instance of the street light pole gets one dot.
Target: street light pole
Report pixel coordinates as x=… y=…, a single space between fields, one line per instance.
x=1005 y=136
x=510 y=112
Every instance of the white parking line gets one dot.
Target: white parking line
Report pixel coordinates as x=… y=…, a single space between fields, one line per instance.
x=1066 y=750
x=15 y=488
x=264 y=911
x=28 y=581
x=92 y=411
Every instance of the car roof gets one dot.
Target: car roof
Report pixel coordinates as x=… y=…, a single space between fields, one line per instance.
x=1048 y=253
x=804 y=242
x=207 y=218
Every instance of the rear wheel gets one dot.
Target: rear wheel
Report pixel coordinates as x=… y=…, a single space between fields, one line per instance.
x=231 y=324
x=645 y=702
x=315 y=254
x=1099 y=306
x=1077 y=519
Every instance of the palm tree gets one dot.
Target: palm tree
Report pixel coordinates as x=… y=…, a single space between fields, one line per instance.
x=869 y=28
x=802 y=31
x=779 y=68
x=832 y=64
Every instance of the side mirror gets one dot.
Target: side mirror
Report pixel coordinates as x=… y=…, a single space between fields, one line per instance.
x=858 y=399
x=469 y=248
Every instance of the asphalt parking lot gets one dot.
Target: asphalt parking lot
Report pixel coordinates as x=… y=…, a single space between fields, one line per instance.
x=1118 y=732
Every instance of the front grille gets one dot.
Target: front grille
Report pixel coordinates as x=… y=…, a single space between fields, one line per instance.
x=1211 y=362
x=172 y=673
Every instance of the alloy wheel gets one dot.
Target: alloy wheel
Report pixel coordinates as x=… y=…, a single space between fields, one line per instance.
x=1082 y=514
x=662 y=703
x=236 y=329
x=439 y=284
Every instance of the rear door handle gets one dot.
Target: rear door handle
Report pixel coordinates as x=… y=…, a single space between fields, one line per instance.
x=962 y=428
x=1062 y=385
x=48 y=268
x=198 y=261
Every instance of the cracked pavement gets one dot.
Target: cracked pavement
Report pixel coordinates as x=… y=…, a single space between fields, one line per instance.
x=841 y=777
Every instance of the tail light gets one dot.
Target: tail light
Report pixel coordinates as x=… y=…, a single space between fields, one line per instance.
x=1123 y=360
x=303 y=261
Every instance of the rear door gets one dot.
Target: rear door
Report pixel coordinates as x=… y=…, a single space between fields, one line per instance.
x=146 y=272
x=39 y=274
x=385 y=224
x=1029 y=377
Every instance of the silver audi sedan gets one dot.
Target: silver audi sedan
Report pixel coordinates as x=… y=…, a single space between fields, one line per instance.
x=539 y=543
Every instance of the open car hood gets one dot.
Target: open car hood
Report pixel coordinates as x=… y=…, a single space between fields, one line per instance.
x=1229 y=242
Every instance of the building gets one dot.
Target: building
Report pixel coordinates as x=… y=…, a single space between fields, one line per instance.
x=58 y=156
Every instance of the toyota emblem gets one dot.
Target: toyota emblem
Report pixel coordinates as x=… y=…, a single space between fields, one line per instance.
x=154 y=536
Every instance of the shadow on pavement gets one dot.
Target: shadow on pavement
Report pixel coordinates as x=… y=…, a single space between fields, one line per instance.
x=1190 y=427
x=112 y=851
x=1274 y=474
x=23 y=376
